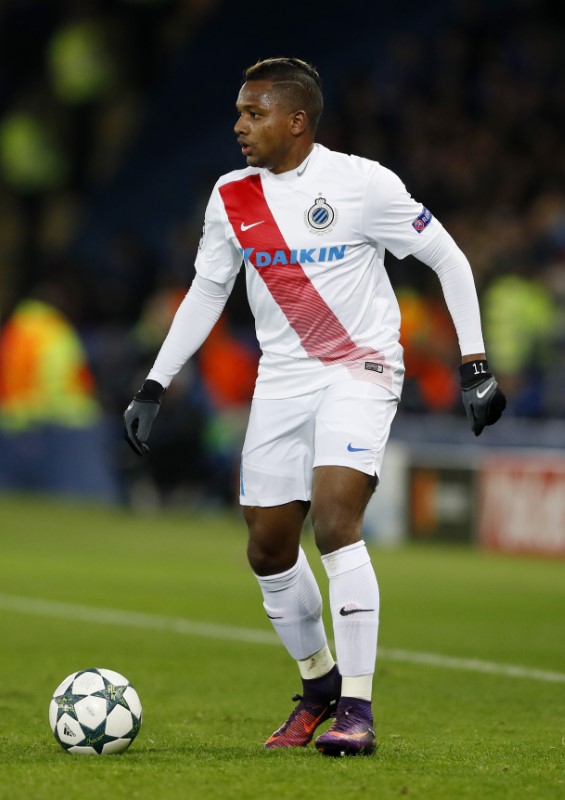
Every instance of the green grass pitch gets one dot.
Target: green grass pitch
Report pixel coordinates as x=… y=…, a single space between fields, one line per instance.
x=167 y=600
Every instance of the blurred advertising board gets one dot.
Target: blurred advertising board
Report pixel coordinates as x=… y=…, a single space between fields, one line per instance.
x=442 y=502
x=521 y=504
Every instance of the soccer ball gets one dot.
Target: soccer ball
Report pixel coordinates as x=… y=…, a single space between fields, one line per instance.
x=96 y=712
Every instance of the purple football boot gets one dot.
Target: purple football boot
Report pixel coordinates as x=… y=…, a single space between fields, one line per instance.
x=351 y=734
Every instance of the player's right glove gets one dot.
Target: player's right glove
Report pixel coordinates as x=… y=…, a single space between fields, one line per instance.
x=139 y=416
x=484 y=402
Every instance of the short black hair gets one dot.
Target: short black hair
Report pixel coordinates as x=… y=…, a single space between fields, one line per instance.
x=300 y=81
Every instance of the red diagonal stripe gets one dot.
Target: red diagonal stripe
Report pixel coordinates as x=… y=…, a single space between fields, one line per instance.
x=321 y=333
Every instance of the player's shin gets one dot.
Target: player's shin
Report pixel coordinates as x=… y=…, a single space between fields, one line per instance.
x=293 y=603
x=354 y=602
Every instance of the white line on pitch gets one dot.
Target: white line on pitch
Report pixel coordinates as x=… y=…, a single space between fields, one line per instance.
x=136 y=619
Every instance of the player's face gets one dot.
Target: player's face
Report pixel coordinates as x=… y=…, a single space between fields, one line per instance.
x=265 y=127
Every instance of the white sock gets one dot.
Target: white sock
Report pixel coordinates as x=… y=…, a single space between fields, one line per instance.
x=357 y=686
x=293 y=603
x=354 y=603
x=317 y=665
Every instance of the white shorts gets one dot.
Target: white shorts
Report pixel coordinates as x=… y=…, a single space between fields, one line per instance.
x=345 y=424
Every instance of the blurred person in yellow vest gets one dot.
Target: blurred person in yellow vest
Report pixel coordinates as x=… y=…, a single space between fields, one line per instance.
x=44 y=377
x=520 y=316
x=51 y=426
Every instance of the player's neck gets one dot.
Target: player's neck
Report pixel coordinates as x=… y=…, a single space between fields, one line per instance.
x=303 y=167
x=295 y=159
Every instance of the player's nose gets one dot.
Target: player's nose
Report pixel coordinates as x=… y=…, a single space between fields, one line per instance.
x=239 y=126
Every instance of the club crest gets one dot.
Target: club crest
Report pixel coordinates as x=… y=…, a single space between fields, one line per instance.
x=320 y=217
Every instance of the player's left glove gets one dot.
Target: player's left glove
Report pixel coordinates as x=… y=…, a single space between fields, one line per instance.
x=139 y=416
x=484 y=402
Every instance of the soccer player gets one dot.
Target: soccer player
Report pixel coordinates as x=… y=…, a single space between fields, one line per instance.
x=311 y=227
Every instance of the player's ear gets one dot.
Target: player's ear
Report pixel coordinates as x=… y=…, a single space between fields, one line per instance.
x=298 y=122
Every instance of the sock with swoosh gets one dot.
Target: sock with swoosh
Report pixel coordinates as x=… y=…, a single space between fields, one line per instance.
x=354 y=603
x=293 y=603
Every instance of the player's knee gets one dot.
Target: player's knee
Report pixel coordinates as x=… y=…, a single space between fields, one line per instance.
x=334 y=528
x=268 y=550
x=339 y=498
x=268 y=558
x=274 y=537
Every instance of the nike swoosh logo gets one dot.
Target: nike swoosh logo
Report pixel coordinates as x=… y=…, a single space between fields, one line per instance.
x=356 y=449
x=345 y=612
x=310 y=727
x=273 y=617
x=245 y=227
x=357 y=736
x=480 y=395
x=308 y=722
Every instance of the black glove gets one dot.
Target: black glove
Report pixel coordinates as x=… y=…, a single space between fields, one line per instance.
x=139 y=416
x=484 y=402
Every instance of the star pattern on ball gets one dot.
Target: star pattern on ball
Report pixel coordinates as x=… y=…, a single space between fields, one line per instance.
x=112 y=694
x=65 y=704
x=97 y=737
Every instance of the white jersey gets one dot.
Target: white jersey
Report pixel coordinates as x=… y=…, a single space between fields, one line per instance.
x=313 y=243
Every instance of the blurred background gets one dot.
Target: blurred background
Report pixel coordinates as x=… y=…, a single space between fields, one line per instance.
x=116 y=118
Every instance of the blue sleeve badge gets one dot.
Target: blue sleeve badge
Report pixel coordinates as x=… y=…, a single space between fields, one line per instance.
x=422 y=220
